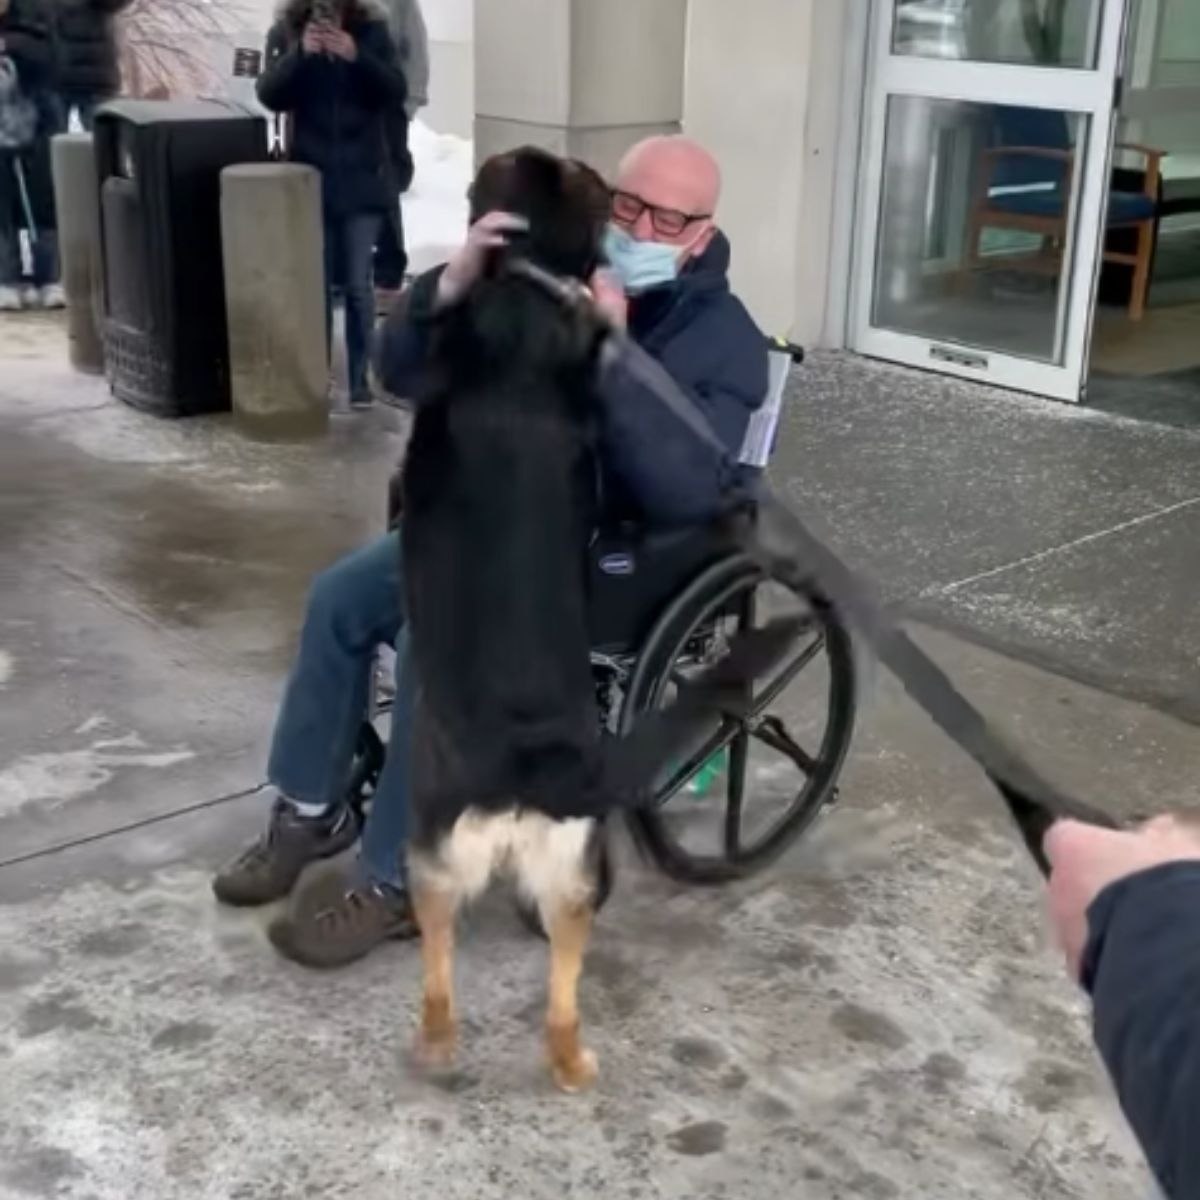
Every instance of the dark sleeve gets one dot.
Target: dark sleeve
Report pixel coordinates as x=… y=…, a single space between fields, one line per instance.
x=28 y=43
x=111 y=7
x=377 y=68
x=402 y=348
x=278 y=84
x=1142 y=967
x=675 y=476
x=724 y=366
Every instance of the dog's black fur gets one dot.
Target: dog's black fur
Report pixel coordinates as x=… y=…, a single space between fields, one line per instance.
x=499 y=505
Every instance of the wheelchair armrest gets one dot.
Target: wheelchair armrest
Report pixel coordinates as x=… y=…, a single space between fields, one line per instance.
x=793 y=350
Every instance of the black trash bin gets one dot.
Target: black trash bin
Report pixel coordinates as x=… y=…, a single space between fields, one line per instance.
x=159 y=166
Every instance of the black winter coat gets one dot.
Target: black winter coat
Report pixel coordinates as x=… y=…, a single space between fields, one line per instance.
x=339 y=112
x=86 y=47
x=25 y=31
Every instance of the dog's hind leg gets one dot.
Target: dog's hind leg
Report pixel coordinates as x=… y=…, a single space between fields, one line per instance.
x=569 y=926
x=558 y=865
x=437 y=1038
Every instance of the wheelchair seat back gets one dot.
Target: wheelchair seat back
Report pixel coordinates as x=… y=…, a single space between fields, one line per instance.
x=635 y=573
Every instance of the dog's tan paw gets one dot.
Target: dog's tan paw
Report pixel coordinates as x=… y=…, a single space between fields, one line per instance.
x=576 y=1073
x=435 y=1050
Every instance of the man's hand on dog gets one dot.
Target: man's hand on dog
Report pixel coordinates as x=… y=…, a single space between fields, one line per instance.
x=489 y=233
x=609 y=298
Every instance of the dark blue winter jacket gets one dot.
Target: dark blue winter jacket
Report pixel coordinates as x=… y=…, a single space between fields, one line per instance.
x=1142 y=967
x=337 y=111
x=655 y=468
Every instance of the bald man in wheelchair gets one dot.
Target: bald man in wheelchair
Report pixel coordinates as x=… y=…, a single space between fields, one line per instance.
x=668 y=286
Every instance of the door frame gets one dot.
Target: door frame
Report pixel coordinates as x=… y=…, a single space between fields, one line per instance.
x=1092 y=92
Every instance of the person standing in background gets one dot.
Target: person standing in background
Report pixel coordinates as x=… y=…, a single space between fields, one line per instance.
x=407 y=24
x=87 y=71
x=26 y=185
x=332 y=68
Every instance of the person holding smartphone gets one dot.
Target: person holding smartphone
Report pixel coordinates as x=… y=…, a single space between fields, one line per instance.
x=332 y=68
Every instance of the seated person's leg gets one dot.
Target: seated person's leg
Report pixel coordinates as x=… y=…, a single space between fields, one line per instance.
x=353 y=608
x=385 y=836
x=372 y=907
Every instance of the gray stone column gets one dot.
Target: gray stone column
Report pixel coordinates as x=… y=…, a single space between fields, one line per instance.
x=275 y=296
x=585 y=78
x=77 y=208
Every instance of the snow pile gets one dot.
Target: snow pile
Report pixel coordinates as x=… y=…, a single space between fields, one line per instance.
x=435 y=208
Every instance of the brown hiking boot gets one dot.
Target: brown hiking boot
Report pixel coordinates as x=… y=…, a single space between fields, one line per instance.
x=339 y=921
x=268 y=869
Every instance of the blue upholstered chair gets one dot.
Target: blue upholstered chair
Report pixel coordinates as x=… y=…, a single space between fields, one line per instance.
x=1024 y=183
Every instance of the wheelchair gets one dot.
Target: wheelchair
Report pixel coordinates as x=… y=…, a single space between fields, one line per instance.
x=665 y=606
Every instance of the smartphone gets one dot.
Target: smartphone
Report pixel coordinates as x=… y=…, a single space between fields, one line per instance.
x=325 y=12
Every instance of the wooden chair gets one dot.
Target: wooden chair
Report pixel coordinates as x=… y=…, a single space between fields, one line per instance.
x=1024 y=183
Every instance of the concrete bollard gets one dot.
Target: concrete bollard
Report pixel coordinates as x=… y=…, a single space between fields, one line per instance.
x=275 y=298
x=77 y=207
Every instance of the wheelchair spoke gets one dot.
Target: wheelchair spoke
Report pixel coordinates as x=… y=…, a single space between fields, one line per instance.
x=739 y=756
x=793 y=669
x=772 y=732
x=712 y=746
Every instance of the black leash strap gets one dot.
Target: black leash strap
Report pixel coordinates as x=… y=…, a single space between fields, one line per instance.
x=796 y=558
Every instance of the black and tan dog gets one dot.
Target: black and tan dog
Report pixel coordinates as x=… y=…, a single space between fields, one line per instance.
x=499 y=504
x=509 y=773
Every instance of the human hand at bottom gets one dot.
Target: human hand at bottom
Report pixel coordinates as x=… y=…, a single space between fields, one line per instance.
x=1084 y=860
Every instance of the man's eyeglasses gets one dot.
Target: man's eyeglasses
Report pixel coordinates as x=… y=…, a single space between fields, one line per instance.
x=667 y=222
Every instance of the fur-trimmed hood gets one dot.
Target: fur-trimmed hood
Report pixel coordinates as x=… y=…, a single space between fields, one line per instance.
x=294 y=13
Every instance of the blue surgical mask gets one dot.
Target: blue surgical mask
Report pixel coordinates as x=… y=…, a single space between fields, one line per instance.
x=640 y=266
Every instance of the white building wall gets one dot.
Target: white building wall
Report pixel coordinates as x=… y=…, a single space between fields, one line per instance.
x=452 y=65
x=746 y=99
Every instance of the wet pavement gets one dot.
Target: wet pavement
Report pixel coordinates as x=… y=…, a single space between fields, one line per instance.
x=877 y=1016
x=1060 y=533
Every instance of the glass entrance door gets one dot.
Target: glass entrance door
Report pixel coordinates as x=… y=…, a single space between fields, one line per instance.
x=984 y=186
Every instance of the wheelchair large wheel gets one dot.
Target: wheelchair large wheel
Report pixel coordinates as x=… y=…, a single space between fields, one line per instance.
x=735 y=829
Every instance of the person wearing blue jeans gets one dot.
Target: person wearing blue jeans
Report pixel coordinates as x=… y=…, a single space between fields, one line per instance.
x=349 y=264
x=334 y=70
x=669 y=286
x=353 y=608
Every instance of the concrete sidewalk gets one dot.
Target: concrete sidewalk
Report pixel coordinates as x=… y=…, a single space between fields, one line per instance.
x=878 y=1016
x=1060 y=533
